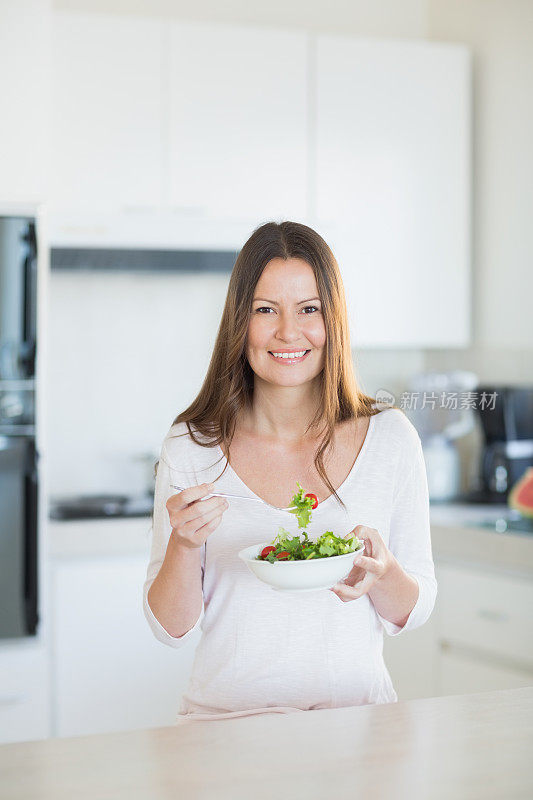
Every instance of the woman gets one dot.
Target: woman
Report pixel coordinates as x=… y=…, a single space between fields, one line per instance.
x=272 y=420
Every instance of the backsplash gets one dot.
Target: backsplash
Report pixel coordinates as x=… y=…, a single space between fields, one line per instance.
x=128 y=352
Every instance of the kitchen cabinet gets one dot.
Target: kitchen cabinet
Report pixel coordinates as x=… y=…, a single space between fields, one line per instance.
x=412 y=661
x=393 y=184
x=485 y=630
x=109 y=673
x=238 y=122
x=24 y=691
x=24 y=89
x=471 y=671
x=480 y=634
x=178 y=134
x=188 y=134
x=107 y=121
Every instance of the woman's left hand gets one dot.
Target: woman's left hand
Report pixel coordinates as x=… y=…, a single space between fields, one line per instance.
x=367 y=569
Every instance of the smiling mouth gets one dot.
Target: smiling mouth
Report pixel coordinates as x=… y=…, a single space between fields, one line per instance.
x=286 y=360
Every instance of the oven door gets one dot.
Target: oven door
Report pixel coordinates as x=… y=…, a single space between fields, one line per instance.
x=18 y=537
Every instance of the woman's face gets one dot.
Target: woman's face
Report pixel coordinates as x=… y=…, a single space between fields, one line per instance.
x=286 y=318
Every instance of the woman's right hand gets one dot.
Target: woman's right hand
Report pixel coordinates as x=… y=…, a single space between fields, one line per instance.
x=193 y=519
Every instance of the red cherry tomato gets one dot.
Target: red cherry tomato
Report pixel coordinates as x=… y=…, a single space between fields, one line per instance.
x=283 y=554
x=313 y=497
x=267 y=550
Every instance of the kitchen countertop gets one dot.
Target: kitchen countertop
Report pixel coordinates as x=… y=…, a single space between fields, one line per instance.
x=461 y=746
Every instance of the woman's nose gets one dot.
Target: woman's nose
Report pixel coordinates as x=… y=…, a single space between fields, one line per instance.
x=288 y=327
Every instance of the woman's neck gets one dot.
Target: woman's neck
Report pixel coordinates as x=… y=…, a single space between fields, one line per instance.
x=281 y=413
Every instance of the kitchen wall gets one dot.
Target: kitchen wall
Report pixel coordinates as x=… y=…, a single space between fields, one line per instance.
x=135 y=355
x=500 y=35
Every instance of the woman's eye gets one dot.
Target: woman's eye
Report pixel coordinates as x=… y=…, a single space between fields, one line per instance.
x=262 y=309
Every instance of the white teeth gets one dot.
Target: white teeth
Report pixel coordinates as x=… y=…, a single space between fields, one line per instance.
x=290 y=355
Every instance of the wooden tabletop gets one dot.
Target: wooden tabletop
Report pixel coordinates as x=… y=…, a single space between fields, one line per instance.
x=461 y=747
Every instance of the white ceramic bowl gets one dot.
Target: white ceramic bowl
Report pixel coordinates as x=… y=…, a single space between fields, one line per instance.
x=299 y=576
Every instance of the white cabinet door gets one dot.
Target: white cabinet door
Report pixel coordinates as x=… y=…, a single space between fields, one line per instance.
x=24 y=92
x=238 y=122
x=109 y=672
x=106 y=114
x=411 y=659
x=24 y=691
x=393 y=186
x=462 y=673
x=484 y=629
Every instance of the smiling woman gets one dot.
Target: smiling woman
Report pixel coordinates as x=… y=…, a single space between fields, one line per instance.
x=279 y=405
x=284 y=324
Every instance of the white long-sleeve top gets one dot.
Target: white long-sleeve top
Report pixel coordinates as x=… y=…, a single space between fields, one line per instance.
x=263 y=650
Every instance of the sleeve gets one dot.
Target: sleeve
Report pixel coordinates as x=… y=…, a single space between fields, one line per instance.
x=161 y=530
x=410 y=540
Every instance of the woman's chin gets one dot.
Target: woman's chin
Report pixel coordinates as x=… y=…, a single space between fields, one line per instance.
x=287 y=380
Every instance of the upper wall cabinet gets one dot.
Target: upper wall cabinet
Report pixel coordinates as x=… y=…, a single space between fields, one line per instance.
x=175 y=134
x=393 y=180
x=238 y=122
x=180 y=134
x=107 y=114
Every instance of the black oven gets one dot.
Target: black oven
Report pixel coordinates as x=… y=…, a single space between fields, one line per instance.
x=19 y=519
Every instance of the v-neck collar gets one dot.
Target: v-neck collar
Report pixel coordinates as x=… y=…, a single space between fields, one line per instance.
x=342 y=487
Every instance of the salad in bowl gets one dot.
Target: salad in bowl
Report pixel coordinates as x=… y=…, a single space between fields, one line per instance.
x=295 y=563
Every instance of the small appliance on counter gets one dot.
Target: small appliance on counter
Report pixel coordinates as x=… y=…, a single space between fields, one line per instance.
x=441 y=418
x=507 y=452
x=101 y=506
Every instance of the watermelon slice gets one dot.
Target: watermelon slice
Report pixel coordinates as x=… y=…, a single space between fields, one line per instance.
x=521 y=495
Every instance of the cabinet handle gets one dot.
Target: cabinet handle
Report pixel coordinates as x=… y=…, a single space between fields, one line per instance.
x=12 y=699
x=492 y=615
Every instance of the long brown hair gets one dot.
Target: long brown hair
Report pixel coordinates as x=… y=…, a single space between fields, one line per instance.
x=229 y=382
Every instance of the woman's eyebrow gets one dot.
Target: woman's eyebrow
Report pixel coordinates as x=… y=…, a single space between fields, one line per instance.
x=275 y=303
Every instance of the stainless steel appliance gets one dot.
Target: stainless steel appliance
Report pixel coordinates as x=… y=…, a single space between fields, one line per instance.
x=101 y=506
x=18 y=453
x=507 y=425
x=434 y=407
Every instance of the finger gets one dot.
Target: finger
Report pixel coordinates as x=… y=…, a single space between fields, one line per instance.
x=181 y=516
x=355 y=574
x=201 y=507
x=368 y=535
x=193 y=493
x=373 y=565
x=209 y=527
x=347 y=592
x=344 y=592
x=195 y=524
x=363 y=531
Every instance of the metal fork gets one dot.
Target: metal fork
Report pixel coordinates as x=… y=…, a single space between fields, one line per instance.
x=238 y=497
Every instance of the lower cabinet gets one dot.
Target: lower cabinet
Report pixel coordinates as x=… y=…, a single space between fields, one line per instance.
x=24 y=691
x=485 y=627
x=411 y=659
x=479 y=637
x=467 y=672
x=109 y=672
